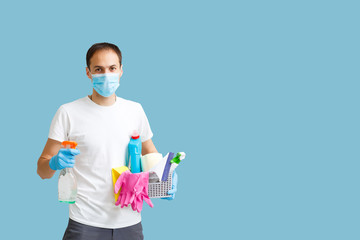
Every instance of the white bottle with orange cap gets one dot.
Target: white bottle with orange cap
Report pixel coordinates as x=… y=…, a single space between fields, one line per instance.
x=67 y=185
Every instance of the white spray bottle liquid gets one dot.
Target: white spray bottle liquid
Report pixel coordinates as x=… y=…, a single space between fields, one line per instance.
x=67 y=185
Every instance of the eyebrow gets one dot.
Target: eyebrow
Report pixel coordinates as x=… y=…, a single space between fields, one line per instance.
x=102 y=66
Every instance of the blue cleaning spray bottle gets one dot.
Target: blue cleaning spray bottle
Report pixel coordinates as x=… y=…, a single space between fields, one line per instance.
x=135 y=152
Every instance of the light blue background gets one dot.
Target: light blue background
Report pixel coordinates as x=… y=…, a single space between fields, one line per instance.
x=263 y=97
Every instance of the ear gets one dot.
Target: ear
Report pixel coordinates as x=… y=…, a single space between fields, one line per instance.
x=88 y=73
x=121 y=70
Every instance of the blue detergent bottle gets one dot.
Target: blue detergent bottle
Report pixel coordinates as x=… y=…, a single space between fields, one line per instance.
x=135 y=152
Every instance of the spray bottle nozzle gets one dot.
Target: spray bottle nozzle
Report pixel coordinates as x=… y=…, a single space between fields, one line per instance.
x=69 y=144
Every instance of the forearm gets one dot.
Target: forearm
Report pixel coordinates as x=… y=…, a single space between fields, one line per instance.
x=51 y=148
x=148 y=147
x=43 y=168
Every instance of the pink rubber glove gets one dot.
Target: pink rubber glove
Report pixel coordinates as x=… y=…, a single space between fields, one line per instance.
x=141 y=192
x=126 y=182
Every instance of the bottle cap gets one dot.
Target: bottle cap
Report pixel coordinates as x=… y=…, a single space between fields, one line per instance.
x=135 y=135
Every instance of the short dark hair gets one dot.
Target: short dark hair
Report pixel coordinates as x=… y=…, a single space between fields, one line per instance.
x=102 y=46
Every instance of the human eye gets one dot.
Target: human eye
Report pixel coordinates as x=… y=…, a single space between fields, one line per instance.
x=113 y=68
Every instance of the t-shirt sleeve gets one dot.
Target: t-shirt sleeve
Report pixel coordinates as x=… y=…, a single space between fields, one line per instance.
x=59 y=127
x=145 y=130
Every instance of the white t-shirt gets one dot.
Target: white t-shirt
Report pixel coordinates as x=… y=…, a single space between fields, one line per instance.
x=103 y=134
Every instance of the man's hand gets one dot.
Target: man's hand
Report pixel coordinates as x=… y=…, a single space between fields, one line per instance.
x=64 y=159
x=173 y=187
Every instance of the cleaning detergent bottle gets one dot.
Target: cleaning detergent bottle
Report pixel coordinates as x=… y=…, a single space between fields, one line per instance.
x=135 y=152
x=67 y=185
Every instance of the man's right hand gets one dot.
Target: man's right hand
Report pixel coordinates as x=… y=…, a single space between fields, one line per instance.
x=64 y=159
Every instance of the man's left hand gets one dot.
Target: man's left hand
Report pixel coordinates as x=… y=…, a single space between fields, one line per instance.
x=173 y=187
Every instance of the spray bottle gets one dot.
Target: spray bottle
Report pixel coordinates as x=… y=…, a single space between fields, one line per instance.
x=135 y=152
x=176 y=160
x=67 y=185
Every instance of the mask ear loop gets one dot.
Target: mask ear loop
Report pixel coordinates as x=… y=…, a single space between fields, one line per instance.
x=91 y=83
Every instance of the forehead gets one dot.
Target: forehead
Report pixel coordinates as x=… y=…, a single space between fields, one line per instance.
x=105 y=57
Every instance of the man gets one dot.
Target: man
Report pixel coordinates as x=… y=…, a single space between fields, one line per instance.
x=101 y=124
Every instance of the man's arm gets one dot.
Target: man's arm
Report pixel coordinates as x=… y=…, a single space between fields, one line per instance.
x=51 y=148
x=148 y=147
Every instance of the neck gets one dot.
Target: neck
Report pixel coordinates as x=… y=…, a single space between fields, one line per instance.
x=103 y=101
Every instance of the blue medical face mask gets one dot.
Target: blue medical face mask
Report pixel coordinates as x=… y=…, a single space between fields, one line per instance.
x=106 y=84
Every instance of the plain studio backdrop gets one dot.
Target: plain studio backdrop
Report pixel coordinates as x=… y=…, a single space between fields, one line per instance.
x=262 y=96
